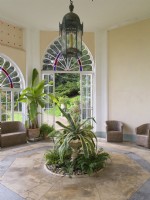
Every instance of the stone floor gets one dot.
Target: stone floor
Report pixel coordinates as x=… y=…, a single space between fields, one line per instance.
x=23 y=176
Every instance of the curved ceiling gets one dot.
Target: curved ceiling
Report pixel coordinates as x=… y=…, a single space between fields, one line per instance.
x=96 y=14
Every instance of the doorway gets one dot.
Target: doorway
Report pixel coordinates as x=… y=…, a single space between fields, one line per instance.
x=74 y=92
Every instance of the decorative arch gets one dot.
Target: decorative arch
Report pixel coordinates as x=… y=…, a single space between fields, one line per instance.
x=11 y=84
x=10 y=74
x=54 y=61
x=54 y=68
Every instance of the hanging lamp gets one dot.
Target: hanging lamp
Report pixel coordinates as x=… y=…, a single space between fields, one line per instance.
x=71 y=31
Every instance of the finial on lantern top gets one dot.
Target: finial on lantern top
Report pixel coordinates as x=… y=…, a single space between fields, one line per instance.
x=71 y=7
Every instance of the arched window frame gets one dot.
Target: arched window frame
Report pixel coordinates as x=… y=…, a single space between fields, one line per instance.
x=11 y=88
x=51 y=71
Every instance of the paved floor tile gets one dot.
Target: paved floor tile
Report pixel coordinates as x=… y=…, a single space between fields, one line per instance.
x=143 y=193
x=6 y=194
x=23 y=176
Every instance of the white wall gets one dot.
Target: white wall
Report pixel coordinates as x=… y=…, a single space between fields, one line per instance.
x=101 y=80
x=32 y=46
x=129 y=74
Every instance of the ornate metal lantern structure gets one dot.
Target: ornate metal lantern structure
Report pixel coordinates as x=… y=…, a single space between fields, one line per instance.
x=71 y=31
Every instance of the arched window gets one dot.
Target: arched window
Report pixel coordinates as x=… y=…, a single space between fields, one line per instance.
x=54 y=60
x=11 y=84
x=64 y=72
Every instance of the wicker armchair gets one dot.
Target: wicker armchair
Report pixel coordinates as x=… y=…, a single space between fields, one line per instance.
x=143 y=135
x=114 y=130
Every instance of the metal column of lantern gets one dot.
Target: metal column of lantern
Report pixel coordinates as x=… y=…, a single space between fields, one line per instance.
x=71 y=31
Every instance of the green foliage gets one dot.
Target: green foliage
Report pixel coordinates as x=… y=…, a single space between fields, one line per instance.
x=81 y=165
x=34 y=96
x=45 y=129
x=67 y=84
x=5 y=117
x=63 y=78
x=6 y=105
x=94 y=163
x=35 y=77
x=72 y=106
x=53 y=111
x=75 y=109
x=71 y=89
x=52 y=157
x=63 y=100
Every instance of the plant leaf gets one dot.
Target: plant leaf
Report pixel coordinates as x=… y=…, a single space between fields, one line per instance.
x=35 y=77
x=84 y=146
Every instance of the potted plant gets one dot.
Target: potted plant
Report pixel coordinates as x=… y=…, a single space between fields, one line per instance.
x=76 y=135
x=45 y=130
x=34 y=97
x=76 y=147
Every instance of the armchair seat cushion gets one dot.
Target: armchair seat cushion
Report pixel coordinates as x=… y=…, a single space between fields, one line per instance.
x=142 y=140
x=14 y=134
x=115 y=136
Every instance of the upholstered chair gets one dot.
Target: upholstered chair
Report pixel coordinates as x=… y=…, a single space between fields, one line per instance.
x=114 y=130
x=143 y=135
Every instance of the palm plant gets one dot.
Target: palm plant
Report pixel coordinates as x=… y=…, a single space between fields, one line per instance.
x=34 y=97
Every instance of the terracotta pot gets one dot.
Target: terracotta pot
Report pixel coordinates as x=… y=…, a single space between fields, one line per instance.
x=33 y=133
